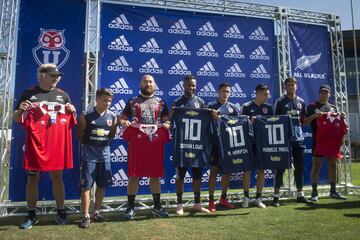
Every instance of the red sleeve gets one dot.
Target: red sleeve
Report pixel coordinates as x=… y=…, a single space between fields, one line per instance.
x=126 y=134
x=72 y=121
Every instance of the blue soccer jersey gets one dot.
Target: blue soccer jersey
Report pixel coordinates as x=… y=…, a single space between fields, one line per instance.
x=227 y=108
x=194 y=102
x=252 y=109
x=235 y=144
x=273 y=140
x=192 y=137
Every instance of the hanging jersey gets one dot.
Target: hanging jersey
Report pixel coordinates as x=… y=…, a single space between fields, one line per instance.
x=296 y=109
x=195 y=102
x=193 y=136
x=251 y=109
x=227 y=108
x=273 y=140
x=331 y=129
x=316 y=107
x=48 y=141
x=96 y=139
x=146 y=150
x=235 y=144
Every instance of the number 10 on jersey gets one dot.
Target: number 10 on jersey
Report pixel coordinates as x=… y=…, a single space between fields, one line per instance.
x=192 y=129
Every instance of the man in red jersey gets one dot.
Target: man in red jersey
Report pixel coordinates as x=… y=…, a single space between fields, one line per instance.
x=54 y=106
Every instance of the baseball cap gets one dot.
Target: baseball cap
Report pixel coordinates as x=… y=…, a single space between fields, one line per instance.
x=51 y=69
x=325 y=87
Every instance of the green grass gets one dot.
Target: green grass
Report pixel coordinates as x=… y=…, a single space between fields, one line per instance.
x=328 y=219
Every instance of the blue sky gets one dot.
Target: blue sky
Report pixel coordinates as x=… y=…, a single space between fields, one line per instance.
x=338 y=7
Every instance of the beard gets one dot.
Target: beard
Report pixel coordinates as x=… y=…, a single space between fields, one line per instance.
x=147 y=91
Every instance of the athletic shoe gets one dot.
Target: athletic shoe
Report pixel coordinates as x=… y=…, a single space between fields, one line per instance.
x=212 y=207
x=85 y=222
x=245 y=203
x=179 y=210
x=225 y=203
x=314 y=197
x=276 y=202
x=61 y=218
x=160 y=212
x=29 y=222
x=259 y=203
x=98 y=217
x=199 y=208
x=302 y=199
x=129 y=214
x=337 y=195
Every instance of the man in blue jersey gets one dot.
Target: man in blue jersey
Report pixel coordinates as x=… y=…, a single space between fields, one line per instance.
x=96 y=128
x=188 y=100
x=294 y=106
x=223 y=107
x=258 y=106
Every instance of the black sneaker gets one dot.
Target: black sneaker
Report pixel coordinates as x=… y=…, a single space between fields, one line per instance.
x=276 y=202
x=302 y=199
x=160 y=212
x=29 y=222
x=337 y=195
x=98 y=217
x=85 y=222
x=129 y=214
x=61 y=218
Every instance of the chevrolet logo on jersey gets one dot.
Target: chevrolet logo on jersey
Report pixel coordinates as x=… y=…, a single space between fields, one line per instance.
x=275 y=159
x=190 y=155
x=293 y=112
x=100 y=132
x=237 y=161
x=192 y=113
x=232 y=121
x=273 y=119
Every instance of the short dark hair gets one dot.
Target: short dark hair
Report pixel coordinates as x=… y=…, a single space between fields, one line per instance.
x=290 y=79
x=189 y=77
x=261 y=87
x=104 y=92
x=224 y=84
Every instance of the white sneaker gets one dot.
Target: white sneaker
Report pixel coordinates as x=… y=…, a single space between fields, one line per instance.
x=179 y=210
x=245 y=203
x=199 y=208
x=259 y=203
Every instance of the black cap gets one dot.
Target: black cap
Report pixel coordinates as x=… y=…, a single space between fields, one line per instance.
x=51 y=70
x=325 y=87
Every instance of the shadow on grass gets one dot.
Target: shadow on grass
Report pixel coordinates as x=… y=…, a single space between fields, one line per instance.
x=332 y=205
x=352 y=215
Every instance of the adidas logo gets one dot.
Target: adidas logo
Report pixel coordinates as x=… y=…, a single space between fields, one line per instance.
x=234 y=52
x=151 y=66
x=150 y=25
x=33 y=97
x=208 y=91
x=207 y=51
x=179 y=49
x=233 y=32
x=121 y=44
x=120 y=179
x=93 y=122
x=207 y=30
x=238 y=105
x=120 y=87
x=237 y=92
x=118 y=107
x=187 y=179
x=120 y=65
x=259 y=54
x=121 y=23
x=234 y=71
x=236 y=176
x=306 y=61
x=118 y=133
x=179 y=69
x=119 y=155
x=208 y=70
x=258 y=34
x=151 y=46
x=205 y=177
x=179 y=28
x=260 y=72
x=177 y=90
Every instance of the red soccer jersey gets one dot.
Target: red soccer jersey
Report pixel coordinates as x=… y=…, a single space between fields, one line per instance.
x=146 y=150
x=331 y=129
x=48 y=141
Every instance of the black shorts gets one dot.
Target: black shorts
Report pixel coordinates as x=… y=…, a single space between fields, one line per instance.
x=181 y=172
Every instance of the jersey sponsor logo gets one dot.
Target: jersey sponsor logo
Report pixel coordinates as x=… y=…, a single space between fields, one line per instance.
x=236 y=176
x=51 y=48
x=120 y=65
x=234 y=52
x=208 y=91
x=237 y=92
x=179 y=49
x=233 y=32
x=158 y=92
x=177 y=90
x=179 y=69
x=151 y=46
x=207 y=51
x=234 y=71
x=121 y=22
x=205 y=177
x=258 y=34
x=119 y=155
x=120 y=44
x=207 y=30
x=151 y=25
x=151 y=66
x=208 y=70
x=120 y=179
x=259 y=54
x=120 y=87
x=187 y=178
x=118 y=107
x=179 y=27
x=306 y=61
x=260 y=72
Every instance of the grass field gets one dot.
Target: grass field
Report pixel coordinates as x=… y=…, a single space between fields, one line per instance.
x=327 y=219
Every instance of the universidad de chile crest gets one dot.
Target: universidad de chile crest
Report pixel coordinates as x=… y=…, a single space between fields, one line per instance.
x=51 y=48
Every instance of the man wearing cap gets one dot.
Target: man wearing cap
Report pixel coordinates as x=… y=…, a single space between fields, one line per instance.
x=48 y=77
x=313 y=111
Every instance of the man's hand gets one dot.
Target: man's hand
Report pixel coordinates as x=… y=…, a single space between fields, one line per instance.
x=214 y=114
x=343 y=115
x=167 y=124
x=316 y=115
x=70 y=108
x=25 y=105
x=124 y=123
